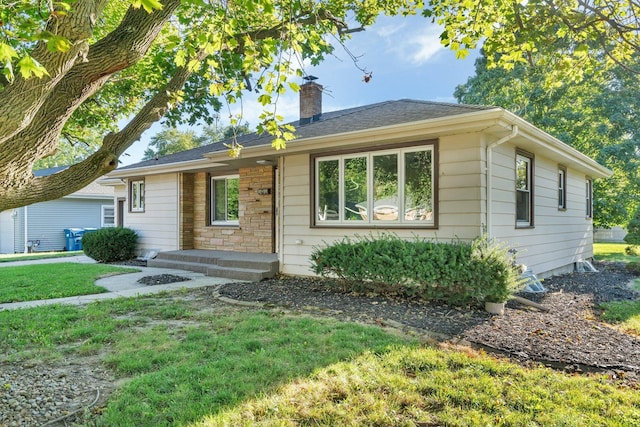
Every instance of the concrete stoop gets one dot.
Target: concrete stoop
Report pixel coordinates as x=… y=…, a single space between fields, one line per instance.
x=230 y=265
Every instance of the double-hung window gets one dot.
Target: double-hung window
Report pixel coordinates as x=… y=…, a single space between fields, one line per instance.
x=562 y=188
x=108 y=216
x=589 y=198
x=136 y=195
x=224 y=200
x=524 y=190
x=390 y=187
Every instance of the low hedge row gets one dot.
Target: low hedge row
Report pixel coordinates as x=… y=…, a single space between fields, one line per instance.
x=458 y=273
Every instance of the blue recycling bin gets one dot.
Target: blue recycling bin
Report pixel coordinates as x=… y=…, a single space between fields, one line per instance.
x=73 y=237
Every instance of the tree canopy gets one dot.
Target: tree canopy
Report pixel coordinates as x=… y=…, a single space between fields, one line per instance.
x=171 y=140
x=567 y=38
x=74 y=69
x=72 y=65
x=599 y=116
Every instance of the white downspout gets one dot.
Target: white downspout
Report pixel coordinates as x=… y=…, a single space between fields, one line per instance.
x=490 y=147
x=26 y=230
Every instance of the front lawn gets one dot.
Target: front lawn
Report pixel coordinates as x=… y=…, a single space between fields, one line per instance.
x=613 y=252
x=37 y=255
x=626 y=314
x=56 y=280
x=196 y=362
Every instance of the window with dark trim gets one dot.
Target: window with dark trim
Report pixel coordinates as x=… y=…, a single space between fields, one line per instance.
x=224 y=200
x=589 y=198
x=136 y=195
x=562 y=188
x=392 y=187
x=524 y=189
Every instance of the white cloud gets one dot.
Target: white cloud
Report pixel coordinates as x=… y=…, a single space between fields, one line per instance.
x=386 y=31
x=424 y=47
x=413 y=39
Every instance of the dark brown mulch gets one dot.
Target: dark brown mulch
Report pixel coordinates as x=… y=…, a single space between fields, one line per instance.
x=161 y=279
x=568 y=336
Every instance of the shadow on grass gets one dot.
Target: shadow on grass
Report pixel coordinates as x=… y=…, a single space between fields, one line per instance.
x=181 y=375
x=621 y=311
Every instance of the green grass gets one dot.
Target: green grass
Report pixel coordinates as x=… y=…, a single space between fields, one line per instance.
x=234 y=366
x=613 y=252
x=626 y=314
x=410 y=386
x=56 y=280
x=37 y=255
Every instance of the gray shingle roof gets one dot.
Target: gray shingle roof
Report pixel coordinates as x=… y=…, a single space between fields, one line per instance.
x=335 y=122
x=49 y=171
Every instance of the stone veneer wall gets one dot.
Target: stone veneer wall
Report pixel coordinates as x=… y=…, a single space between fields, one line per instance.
x=187 y=182
x=256 y=214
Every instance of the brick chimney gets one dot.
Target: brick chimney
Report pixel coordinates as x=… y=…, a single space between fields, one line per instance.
x=310 y=101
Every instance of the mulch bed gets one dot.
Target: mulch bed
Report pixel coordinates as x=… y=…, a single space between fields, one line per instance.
x=570 y=336
x=162 y=279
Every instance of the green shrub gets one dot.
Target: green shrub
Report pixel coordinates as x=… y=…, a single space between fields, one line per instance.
x=633 y=268
x=633 y=233
x=456 y=273
x=110 y=244
x=631 y=250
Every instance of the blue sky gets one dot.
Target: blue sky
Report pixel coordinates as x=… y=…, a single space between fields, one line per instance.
x=404 y=55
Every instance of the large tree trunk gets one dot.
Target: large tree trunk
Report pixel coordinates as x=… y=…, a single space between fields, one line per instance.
x=33 y=112
x=22 y=100
x=48 y=109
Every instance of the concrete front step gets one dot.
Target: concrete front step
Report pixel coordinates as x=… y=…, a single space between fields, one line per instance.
x=230 y=265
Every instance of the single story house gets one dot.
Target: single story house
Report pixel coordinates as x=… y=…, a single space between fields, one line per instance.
x=40 y=226
x=415 y=168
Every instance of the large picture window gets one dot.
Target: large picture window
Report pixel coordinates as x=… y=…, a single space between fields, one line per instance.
x=136 y=196
x=524 y=190
x=390 y=187
x=224 y=200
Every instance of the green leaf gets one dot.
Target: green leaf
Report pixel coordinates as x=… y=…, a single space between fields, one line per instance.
x=7 y=52
x=30 y=67
x=58 y=44
x=264 y=99
x=279 y=143
x=148 y=5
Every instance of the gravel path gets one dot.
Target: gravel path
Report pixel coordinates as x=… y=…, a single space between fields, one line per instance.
x=569 y=336
x=40 y=395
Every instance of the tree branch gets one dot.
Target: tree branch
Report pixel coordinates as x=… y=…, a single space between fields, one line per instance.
x=77 y=26
x=118 y=50
x=21 y=187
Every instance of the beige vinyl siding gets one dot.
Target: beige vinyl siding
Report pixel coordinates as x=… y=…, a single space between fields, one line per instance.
x=157 y=226
x=461 y=203
x=559 y=238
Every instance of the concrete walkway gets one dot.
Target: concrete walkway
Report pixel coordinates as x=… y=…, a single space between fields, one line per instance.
x=122 y=285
